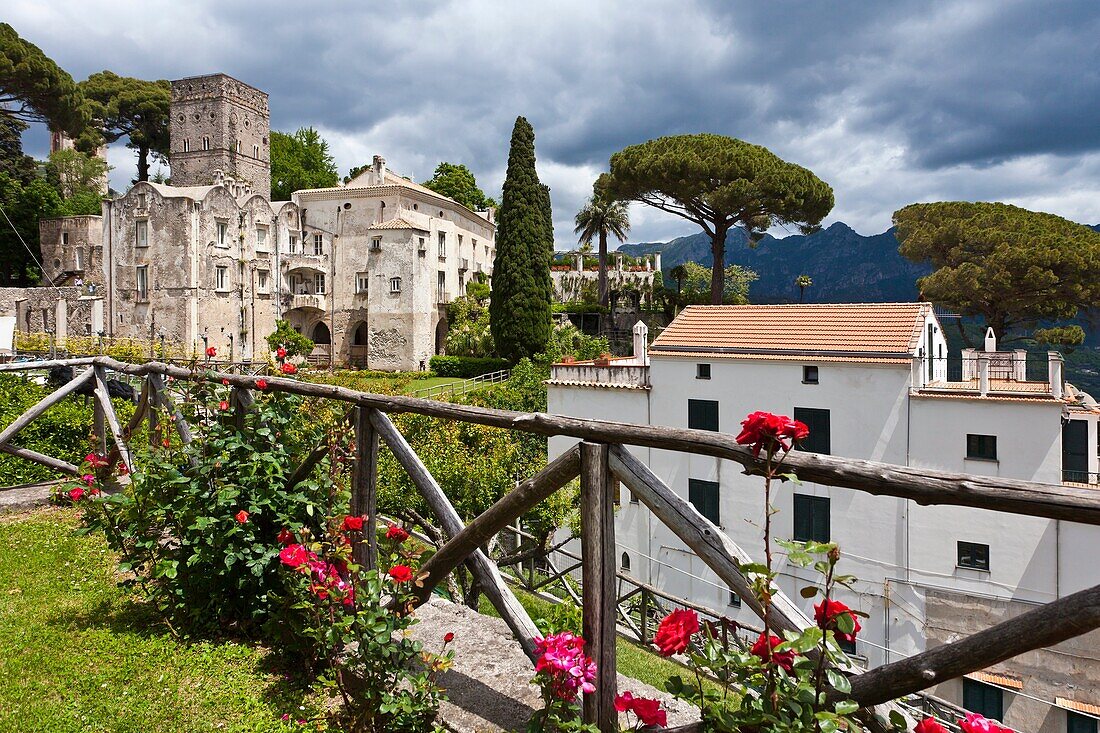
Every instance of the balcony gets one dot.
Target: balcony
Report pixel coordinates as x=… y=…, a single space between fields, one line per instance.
x=463 y=264
x=299 y=261
x=623 y=373
x=308 y=301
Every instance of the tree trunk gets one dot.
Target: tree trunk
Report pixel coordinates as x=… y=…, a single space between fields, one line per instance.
x=143 y=163
x=602 y=280
x=718 y=269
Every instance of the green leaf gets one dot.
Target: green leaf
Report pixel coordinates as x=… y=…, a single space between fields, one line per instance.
x=838 y=680
x=845 y=623
x=809 y=591
x=846 y=707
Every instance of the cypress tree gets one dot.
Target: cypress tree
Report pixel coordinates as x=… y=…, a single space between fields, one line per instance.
x=519 y=307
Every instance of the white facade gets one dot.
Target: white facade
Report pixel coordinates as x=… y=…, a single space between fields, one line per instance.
x=905 y=556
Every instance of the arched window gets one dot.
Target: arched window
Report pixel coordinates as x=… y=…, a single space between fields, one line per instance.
x=626 y=561
x=360 y=337
x=321 y=334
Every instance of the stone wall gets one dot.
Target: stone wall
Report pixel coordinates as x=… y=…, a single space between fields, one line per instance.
x=36 y=309
x=72 y=248
x=1068 y=670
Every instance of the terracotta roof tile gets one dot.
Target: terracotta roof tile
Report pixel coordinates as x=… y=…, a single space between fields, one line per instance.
x=1080 y=707
x=398 y=223
x=861 y=331
x=996 y=678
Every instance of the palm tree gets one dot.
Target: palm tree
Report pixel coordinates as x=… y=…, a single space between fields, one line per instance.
x=599 y=218
x=803 y=282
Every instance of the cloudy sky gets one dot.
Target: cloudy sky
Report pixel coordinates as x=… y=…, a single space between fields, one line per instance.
x=889 y=102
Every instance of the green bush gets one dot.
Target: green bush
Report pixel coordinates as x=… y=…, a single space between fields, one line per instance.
x=466 y=366
x=198 y=526
x=294 y=342
x=63 y=431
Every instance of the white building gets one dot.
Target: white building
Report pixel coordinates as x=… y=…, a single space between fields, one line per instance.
x=871 y=381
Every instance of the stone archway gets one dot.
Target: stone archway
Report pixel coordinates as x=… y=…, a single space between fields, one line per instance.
x=320 y=334
x=360 y=345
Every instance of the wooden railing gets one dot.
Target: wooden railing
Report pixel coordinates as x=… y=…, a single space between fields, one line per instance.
x=600 y=459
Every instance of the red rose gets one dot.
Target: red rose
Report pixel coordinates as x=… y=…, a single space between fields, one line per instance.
x=826 y=613
x=288 y=368
x=285 y=536
x=241 y=516
x=401 y=573
x=675 y=632
x=763 y=430
x=280 y=352
x=88 y=479
x=929 y=725
x=295 y=556
x=225 y=381
x=223 y=405
x=397 y=534
x=352 y=524
x=448 y=637
x=122 y=469
x=649 y=711
x=76 y=494
x=261 y=383
x=624 y=702
x=211 y=352
x=764 y=649
x=95 y=460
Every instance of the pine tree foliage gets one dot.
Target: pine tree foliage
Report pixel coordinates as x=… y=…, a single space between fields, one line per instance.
x=519 y=309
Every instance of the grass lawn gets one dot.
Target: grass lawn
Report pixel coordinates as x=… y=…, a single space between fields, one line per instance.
x=418 y=384
x=78 y=654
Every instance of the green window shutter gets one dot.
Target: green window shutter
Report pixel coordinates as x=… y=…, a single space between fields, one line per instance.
x=703 y=415
x=703 y=495
x=811 y=518
x=986 y=700
x=817 y=420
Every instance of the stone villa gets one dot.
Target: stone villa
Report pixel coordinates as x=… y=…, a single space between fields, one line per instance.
x=365 y=269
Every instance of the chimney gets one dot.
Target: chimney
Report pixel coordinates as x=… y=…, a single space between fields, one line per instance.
x=378 y=164
x=990 y=340
x=918 y=372
x=1056 y=374
x=641 y=344
x=983 y=374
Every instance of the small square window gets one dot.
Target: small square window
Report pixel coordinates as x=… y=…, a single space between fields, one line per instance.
x=376 y=244
x=973 y=555
x=262 y=282
x=362 y=282
x=818 y=421
x=141 y=233
x=702 y=371
x=395 y=285
x=141 y=201
x=222 y=231
x=809 y=374
x=981 y=447
x=292 y=245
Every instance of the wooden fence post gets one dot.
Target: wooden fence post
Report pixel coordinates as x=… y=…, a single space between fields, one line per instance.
x=598 y=580
x=99 y=425
x=643 y=625
x=364 y=494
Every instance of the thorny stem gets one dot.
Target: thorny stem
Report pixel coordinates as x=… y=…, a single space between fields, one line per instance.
x=766 y=599
x=819 y=674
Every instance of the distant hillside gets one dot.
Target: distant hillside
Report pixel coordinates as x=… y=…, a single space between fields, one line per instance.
x=845 y=265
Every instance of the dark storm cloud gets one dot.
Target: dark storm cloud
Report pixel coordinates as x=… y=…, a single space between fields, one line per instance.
x=889 y=102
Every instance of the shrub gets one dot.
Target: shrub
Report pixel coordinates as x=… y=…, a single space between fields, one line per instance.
x=63 y=431
x=294 y=342
x=358 y=621
x=198 y=524
x=466 y=366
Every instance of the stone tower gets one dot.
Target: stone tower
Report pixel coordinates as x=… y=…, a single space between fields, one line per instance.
x=219 y=123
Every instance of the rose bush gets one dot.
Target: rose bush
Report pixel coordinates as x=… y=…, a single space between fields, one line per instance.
x=778 y=682
x=196 y=528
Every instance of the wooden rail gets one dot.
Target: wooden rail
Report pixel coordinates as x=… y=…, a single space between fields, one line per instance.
x=599 y=460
